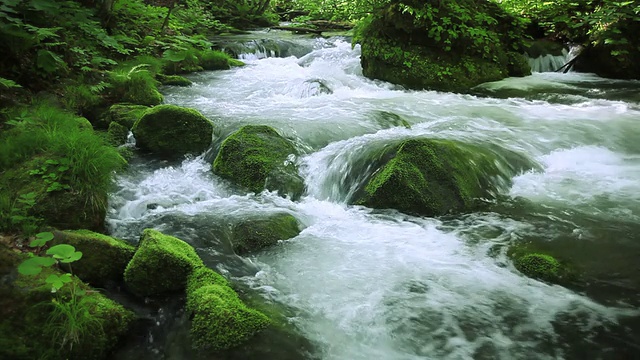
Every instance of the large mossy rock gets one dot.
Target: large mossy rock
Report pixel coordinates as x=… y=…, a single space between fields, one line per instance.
x=254 y=234
x=257 y=158
x=161 y=264
x=445 y=45
x=220 y=319
x=432 y=177
x=104 y=258
x=541 y=265
x=171 y=131
x=123 y=114
x=26 y=327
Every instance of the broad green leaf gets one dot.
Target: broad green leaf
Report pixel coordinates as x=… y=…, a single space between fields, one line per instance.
x=34 y=265
x=41 y=239
x=64 y=253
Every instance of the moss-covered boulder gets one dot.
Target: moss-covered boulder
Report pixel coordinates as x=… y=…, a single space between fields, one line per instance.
x=254 y=234
x=29 y=328
x=259 y=158
x=433 y=177
x=117 y=134
x=174 y=80
x=447 y=45
x=539 y=266
x=171 y=131
x=220 y=320
x=134 y=86
x=161 y=264
x=123 y=114
x=104 y=258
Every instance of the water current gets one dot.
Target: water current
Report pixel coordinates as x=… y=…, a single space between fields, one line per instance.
x=378 y=284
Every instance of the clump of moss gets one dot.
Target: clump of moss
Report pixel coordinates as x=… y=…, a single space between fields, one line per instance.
x=220 y=319
x=161 y=264
x=215 y=60
x=117 y=134
x=171 y=131
x=124 y=114
x=432 y=177
x=175 y=80
x=135 y=86
x=255 y=234
x=256 y=154
x=539 y=266
x=104 y=258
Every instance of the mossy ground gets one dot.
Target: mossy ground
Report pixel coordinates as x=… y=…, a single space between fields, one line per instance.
x=171 y=131
x=254 y=234
x=161 y=264
x=253 y=154
x=25 y=309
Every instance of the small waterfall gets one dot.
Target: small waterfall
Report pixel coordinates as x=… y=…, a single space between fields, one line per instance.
x=548 y=62
x=263 y=44
x=552 y=63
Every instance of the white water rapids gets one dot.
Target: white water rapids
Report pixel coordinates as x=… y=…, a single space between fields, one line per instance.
x=370 y=284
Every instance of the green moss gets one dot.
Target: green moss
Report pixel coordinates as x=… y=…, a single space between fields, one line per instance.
x=26 y=327
x=174 y=80
x=104 y=258
x=160 y=264
x=216 y=60
x=117 y=134
x=432 y=177
x=256 y=157
x=171 y=131
x=427 y=52
x=124 y=114
x=255 y=234
x=220 y=319
x=135 y=87
x=539 y=266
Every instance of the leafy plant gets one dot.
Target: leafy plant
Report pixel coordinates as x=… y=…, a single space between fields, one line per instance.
x=70 y=318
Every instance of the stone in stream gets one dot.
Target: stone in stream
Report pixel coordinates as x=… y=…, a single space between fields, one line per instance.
x=432 y=177
x=174 y=80
x=448 y=45
x=117 y=134
x=220 y=320
x=254 y=234
x=161 y=264
x=171 y=131
x=258 y=158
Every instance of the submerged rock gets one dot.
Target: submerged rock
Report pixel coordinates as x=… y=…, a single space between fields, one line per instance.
x=254 y=234
x=450 y=45
x=104 y=258
x=161 y=264
x=432 y=177
x=220 y=320
x=171 y=131
x=259 y=158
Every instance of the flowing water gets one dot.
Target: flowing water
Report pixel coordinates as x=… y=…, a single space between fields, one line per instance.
x=370 y=284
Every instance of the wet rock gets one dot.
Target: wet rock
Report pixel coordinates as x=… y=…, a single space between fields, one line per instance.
x=257 y=158
x=433 y=177
x=124 y=114
x=171 y=131
x=175 y=80
x=117 y=134
x=254 y=234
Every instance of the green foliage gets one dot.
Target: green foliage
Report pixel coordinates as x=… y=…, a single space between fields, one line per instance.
x=334 y=9
x=136 y=85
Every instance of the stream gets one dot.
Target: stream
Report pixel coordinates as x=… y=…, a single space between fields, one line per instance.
x=379 y=284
